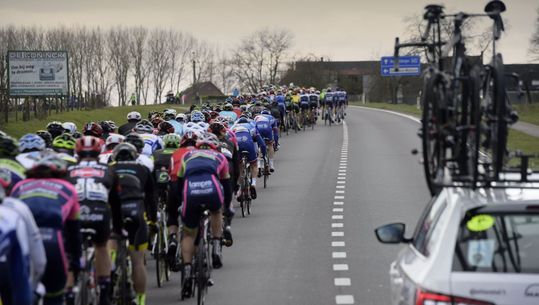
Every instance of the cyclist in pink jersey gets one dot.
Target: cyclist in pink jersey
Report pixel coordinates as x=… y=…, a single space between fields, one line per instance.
x=55 y=206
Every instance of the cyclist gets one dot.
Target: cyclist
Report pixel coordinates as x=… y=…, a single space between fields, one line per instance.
x=15 y=285
x=304 y=105
x=228 y=112
x=136 y=140
x=37 y=256
x=164 y=128
x=64 y=145
x=281 y=103
x=137 y=197
x=55 y=207
x=94 y=182
x=151 y=141
x=203 y=183
x=69 y=127
x=111 y=142
x=31 y=148
x=55 y=128
x=93 y=129
x=247 y=135
x=109 y=127
x=269 y=131
x=314 y=99
x=46 y=136
x=9 y=167
x=133 y=118
x=170 y=117
x=162 y=157
x=328 y=105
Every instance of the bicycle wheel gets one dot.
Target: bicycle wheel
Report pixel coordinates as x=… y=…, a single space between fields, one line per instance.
x=202 y=263
x=161 y=264
x=499 y=137
x=431 y=137
x=266 y=172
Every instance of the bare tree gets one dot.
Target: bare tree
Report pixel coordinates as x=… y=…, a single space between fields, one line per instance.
x=224 y=72
x=534 y=41
x=160 y=60
x=278 y=43
x=137 y=50
x=119 y=59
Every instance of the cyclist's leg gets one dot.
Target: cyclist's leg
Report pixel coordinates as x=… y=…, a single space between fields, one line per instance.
x=55 y=277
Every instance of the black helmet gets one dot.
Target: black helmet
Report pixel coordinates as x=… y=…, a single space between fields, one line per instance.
x=124 y=152
x=46 y=136
x=136 y=140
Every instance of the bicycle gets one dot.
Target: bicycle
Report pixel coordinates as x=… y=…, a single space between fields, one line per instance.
x=86 y=288
x=266 y=171
x=245 y=185
x=202 y=267
x=160 y=240
x=328 y=119
x=121 y=278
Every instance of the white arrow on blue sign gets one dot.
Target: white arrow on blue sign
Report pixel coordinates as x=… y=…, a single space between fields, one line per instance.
x=408 y=66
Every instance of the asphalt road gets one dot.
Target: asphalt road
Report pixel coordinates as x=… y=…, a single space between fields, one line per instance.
x=290 y=250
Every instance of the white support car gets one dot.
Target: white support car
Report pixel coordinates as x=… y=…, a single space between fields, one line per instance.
x=477 y=247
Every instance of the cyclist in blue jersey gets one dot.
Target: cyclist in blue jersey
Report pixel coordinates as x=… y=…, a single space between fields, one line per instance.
x=170 y=117
x=247 y=135
x=228 y=112
x=267 y=126
x=281 y=102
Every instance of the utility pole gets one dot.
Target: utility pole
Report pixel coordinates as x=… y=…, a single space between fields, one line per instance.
x=195 y=86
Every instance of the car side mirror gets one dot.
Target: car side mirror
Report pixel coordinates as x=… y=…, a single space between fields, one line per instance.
x=392 y=233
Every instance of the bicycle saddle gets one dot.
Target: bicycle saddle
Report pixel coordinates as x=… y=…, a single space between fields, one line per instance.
x=495 y=6
x=433 y=11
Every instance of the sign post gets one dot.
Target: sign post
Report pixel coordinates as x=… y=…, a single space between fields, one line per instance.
x=408 y=66
x=38 y=73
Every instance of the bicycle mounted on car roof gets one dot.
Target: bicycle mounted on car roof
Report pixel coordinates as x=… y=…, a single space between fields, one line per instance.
x=465 y=109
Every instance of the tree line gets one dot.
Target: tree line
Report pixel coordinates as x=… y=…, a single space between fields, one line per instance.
x=119 y=61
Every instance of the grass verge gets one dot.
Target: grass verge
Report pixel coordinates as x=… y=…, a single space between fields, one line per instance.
x=517 y=140
x=80 y=117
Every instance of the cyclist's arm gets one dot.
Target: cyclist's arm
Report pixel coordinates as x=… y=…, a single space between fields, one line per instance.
x=261 y=143
x=73 y=235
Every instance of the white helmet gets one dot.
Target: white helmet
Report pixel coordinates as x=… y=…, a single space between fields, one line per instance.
x=114 y=138
x=170 y=111
x=192 y=126
x=134 y=115
x=181 y=116
x=70 y=127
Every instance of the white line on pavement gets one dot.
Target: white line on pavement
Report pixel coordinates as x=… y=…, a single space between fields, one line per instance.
x=337 y=225
x=340 y=267
x=337 y=217
x=338 y=203
x=342 y=281
x=338 y=210
x=337 y=244
x=344 y=299
x=337 y=234
x=338 y=254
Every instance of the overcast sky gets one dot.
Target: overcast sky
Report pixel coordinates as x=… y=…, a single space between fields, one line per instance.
x=340 y=29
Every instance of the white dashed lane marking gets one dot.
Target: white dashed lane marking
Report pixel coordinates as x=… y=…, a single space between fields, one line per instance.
x=340 y=280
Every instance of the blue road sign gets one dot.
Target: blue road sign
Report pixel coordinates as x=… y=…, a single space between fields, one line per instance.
x=408 y=66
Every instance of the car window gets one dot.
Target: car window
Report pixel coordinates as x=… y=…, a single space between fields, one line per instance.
x=498 y=242
x=427 y=225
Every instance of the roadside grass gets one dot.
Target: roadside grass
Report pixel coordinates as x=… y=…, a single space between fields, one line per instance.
x=517 y=140
x=80 y=117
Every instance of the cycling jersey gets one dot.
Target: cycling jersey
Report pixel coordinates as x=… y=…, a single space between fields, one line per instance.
x=105 y=157
x=15 y=285
x=12 y=169
x=93 y=182
x=313 y=100
x=127 y=128
x=162 y=158
x=264 y=124
x=38 y=258
x=147 y=161
x=55 y=207
x=202 y=175
x=29 y=159
x=341 y=97
x=178 y=127
x=329 y=99
x=229 y=114
x=247 y=136
x=151 y=144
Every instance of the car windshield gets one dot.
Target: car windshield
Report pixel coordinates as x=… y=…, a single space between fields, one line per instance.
x=500 y=242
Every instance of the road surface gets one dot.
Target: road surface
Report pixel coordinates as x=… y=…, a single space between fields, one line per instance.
x=310 y=238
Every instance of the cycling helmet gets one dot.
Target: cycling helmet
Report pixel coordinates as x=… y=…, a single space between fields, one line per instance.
x=136 y=140
x=166 y=127
x=92 y=129
x=181 y=117
x=143 y=128
x=191 y=126
x=197 y=116
x=156 y=121
x=189 y=138
x=31 y=142
x=214 y=114
x=50 y=166
x=124 y=152
x=239 y=128
x=172 y=140
x=265 y=111
x=88 y=146
x=207 y=140
x=242 y=120
x=222 y=120
x=9 y=148
x=69 y=127
x=217 y=128
x=114 y=139
x=108 y=126
x=46 y=136
x=227 y=107
x=64 y=142
x=134 y=116
x=55 y=128
x=169 y=114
